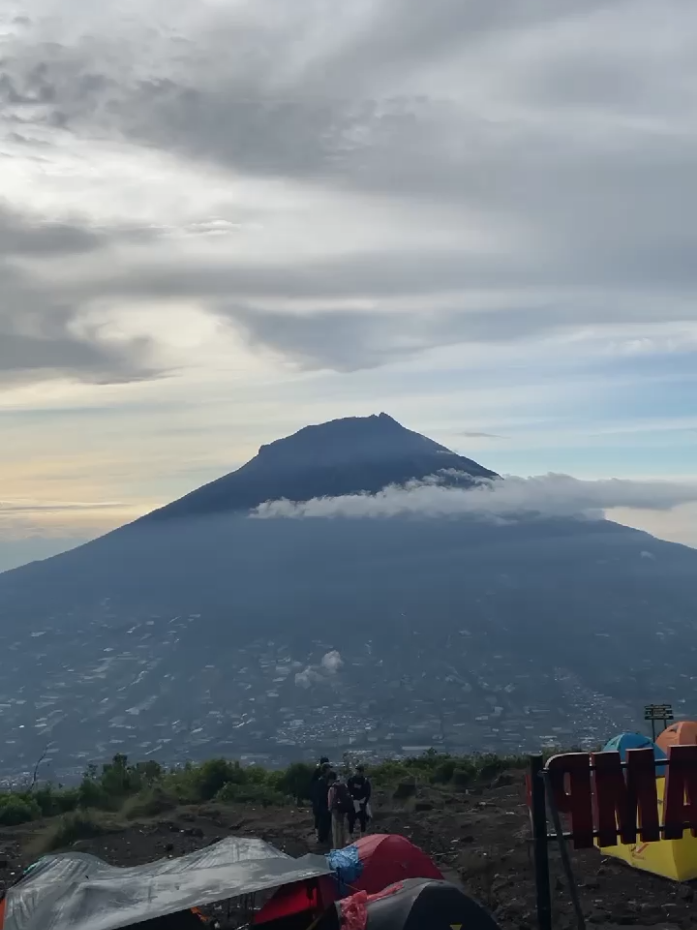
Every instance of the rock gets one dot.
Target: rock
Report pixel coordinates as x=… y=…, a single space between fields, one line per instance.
x=686 y=893
x=421 y=806
x=502 y=780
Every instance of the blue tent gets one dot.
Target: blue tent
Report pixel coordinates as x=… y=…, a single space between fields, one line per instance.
x=624 y=741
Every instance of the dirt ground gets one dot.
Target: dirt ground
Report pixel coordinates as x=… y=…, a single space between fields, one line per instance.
x=480 y=837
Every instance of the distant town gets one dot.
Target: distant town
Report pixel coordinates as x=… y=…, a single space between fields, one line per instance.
x=270 y=701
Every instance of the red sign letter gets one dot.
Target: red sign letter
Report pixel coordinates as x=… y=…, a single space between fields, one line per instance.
x=620 y=802
x=680 y=803
x=573 y=769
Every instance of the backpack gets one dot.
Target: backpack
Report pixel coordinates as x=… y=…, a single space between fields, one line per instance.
x=342 y=800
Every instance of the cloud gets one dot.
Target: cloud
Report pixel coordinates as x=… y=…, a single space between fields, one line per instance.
x=39 y=507
x=414 y=178
x=550 y=495
x=329 y=665
x=332 y=661
x=37 y=321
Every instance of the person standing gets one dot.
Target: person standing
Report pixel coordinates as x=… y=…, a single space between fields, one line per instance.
x=360 y=790
x=340 y=804
x=320 y=803
x=317 y=790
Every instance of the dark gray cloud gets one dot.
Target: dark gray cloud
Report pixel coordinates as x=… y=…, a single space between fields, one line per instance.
x=346 y=340
x=423 y=300
x=524 y=114
x=20 y=237
x=36 y=333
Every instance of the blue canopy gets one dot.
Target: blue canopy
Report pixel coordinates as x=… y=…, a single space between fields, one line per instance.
x=624 y=741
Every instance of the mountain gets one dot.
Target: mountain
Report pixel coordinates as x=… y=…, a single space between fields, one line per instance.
x=348 y=456
x=198 y=629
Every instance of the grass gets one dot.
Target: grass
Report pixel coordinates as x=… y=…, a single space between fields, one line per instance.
x=68 y=829
x=143 y=790
x=150 y=802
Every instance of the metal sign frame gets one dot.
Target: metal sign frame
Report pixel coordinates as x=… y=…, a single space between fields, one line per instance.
x=605 y=801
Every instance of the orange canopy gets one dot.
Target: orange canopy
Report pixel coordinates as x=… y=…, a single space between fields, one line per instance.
x=681 y=733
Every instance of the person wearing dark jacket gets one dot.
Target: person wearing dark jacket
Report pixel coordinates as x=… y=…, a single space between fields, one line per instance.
x=315 y=791
x=323 y=816
x=360 y=790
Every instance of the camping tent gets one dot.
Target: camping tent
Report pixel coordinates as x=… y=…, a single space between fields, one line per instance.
x=624 y=741
x=369 y=865
x=76 y=891
x=409 y=905
x=681 y=733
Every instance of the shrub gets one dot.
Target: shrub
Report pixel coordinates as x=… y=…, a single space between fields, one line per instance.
x=94 y=794
x=263 y=795
x=68 y=829
x=16 y=809
x=389 y=773
x=465 y=774
x=148 y=803
x=296 y=781
x=52 y=801
x=444 y=771
x=214 y=774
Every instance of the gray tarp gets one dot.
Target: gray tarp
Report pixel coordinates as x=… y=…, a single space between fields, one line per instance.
x=76 y=891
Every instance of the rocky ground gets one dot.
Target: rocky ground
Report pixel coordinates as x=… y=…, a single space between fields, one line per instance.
x=481 y=837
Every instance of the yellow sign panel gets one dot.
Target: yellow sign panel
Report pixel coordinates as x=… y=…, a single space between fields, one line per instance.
x=676 y=859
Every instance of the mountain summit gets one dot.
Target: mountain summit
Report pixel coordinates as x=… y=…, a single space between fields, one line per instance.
x=346 y=456
x=347 y=440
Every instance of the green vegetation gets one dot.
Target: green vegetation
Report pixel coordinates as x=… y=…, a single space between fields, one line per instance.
x=69 y=829
x=141 y=790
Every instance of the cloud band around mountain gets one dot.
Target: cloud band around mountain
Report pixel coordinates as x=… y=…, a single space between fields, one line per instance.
x=551 y=495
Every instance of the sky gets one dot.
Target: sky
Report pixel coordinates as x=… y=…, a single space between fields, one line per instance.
x=223 y=220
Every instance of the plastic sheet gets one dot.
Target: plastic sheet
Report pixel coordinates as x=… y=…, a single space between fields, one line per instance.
x=77 y=891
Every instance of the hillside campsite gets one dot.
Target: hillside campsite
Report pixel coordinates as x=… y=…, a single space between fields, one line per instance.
x=477 y=836
x=78 y=891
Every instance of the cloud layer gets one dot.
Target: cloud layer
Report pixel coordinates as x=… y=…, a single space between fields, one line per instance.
x=411 y=179
x=503 y=499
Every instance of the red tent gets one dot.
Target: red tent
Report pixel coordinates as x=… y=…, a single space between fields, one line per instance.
x=370 y=864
